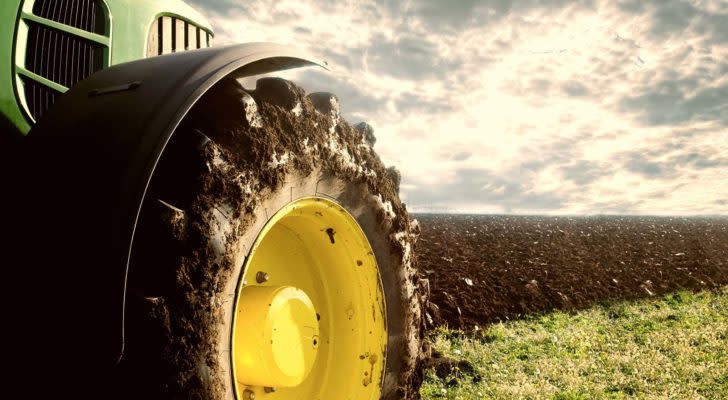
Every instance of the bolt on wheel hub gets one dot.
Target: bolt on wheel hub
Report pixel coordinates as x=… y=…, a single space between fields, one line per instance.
x=277 y=336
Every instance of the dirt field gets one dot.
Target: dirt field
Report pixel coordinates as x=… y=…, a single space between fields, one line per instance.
x=484 y=269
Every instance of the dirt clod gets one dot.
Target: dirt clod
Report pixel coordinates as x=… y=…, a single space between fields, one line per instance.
x=278 y=92
x=445 y=366
x=367 y=131
x=325 y=103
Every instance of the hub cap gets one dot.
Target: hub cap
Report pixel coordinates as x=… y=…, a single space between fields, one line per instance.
x=281 y=350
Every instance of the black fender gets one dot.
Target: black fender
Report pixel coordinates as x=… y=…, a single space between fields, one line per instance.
x=89 y=162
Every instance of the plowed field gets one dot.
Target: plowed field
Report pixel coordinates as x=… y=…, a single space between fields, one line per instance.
x=484 y=269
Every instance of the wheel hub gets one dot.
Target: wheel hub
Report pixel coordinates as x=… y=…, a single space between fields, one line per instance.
x=309 y=318
x=277 y=336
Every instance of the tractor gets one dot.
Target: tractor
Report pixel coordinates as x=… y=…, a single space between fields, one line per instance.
x=176 y=234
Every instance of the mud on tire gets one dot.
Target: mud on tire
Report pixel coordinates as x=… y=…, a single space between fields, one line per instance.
x=237 y=158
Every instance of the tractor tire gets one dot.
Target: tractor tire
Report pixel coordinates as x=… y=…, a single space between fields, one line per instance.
x=240 y=161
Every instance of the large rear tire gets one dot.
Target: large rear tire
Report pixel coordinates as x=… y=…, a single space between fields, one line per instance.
x=228 y=197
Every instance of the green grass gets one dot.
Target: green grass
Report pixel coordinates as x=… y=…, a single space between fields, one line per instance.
x=672 y=348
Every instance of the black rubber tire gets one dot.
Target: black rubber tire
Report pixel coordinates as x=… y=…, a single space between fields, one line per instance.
x=182 y=277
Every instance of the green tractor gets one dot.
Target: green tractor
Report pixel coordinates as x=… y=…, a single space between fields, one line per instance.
x=179 y=235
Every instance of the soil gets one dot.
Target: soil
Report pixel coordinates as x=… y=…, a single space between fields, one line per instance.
x=483 y=269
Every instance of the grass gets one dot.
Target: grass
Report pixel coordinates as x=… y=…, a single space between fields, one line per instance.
x=672 y=348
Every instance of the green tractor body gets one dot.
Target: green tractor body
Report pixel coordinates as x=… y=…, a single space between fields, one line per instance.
x=92 y=92
x=48 y=46
x=123 y=134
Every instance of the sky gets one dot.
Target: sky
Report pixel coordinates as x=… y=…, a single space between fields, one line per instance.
x=522 y=107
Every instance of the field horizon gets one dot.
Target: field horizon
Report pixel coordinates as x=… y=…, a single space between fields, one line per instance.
x=658 y=215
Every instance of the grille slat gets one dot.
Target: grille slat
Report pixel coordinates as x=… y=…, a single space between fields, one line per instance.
x=88 y=60
x=74 y=56
x=166 y=39
x=187 y=35
x=66 y=58
x=54 y=9
x=71 y=14
x=191 y=36
x=173 y=39
x=91 y=11
x=59 y=56
x=72 y=10
x=52 y=56
x=82 y=14
x=42 y=8
x=58 y=15
x=160 y=38
x=84 y=11
x=89 y=15
x=33 y=94
x=77 y=14
x=92 y=23
x=179 y=28
x=46 y=100
x=45 y=54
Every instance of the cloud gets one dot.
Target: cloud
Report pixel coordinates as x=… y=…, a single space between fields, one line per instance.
x=534 y=106
x=409 y=56
x=461 y=156
x=576 y=89
x=678 y=17
x=215 y=8
x=672 y=17
x=479 y=189
x=672 y=102
x=356 y=98
x=410 y=102
x=585 y=172
x=699 y=161
x=637 y=163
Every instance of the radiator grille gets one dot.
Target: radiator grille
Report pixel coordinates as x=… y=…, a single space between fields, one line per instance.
x=59 y=56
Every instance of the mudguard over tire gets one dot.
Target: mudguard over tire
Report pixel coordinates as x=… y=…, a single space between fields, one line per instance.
x=247 y=153
x=87 y=165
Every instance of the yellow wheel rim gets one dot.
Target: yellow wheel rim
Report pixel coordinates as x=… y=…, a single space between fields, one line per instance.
x=309 y=320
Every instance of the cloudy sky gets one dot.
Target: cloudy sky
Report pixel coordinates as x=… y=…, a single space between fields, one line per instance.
x=540 y=106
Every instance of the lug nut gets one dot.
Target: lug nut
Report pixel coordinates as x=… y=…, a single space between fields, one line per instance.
x=261 y=277
x=269 y=389
x=249 y=394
